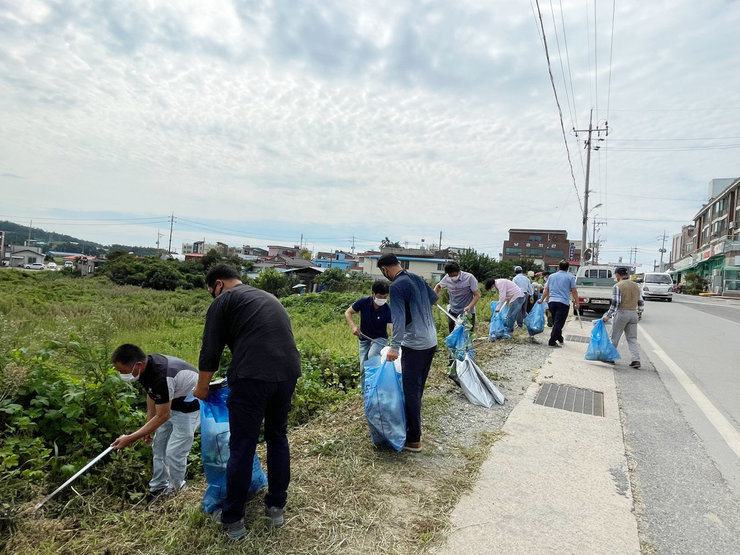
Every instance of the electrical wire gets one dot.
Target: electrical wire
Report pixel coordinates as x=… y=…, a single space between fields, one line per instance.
x=557 y=101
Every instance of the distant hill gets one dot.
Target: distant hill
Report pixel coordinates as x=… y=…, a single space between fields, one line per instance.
x=16 y=234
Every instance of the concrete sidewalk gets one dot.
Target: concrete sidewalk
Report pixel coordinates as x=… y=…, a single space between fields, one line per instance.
x=558 y=481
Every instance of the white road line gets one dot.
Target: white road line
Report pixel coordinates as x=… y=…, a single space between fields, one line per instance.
x=715 y=417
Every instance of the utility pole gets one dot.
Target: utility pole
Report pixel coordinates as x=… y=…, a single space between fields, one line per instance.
x=440 y=240
x=353 y=244
x=662 y=250
x=590 y=130
x=159 y=236
x=172 y=223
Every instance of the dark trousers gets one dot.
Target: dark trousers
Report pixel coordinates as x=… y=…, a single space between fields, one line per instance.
x=451 y=322
x=559 y=315
x=249 y=402
x=415 y=365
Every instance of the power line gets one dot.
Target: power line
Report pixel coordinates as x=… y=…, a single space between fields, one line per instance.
x=557 y=101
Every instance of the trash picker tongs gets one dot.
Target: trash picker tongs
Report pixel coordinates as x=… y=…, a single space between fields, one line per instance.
x=73 y=478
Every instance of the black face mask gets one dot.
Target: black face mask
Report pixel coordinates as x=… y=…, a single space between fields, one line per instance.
x=213 y=292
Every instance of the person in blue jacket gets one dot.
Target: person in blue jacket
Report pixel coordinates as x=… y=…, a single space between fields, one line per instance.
x=414 y=330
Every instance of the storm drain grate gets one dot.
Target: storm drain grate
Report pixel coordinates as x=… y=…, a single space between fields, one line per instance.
x=573 y=399
x=578 y=338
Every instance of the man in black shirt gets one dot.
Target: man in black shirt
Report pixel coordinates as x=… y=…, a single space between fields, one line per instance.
x=168 y=381
x=264 y=368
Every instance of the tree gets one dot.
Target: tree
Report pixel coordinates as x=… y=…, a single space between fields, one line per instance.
x=272 y=281
x=388 y=244
x=306 y=254
x=332 y=279
x=480 y=265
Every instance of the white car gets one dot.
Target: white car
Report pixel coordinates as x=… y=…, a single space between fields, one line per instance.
x=52 y=266
x=657 y=286
x=34 y=266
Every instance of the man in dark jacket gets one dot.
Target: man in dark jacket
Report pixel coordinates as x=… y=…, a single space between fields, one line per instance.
x=262 y=376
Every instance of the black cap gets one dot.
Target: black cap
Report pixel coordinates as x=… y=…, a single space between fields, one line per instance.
x=387 y=260
x=622 y=271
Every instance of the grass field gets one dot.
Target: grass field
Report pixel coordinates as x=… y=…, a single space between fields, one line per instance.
x=345 y=496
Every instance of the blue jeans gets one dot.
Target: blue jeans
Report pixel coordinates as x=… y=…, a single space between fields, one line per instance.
x=369 y=349
x=170 y=450
x=249 y=402
x=415 y=365
x=515 y=309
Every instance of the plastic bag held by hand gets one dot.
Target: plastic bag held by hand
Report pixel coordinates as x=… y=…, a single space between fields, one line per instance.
x=497 y=330
x=214 y=439
x=535 y=320
x=384 y=402
x=601 y=347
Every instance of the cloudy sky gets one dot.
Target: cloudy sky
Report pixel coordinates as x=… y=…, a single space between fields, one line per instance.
x=264 y=122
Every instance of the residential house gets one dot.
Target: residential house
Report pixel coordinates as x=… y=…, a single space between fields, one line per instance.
x=428 y=264
x=18 y=257
x=337 y=259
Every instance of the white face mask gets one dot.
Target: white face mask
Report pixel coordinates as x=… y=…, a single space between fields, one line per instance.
x=456 y=278
x=130 y=378
x=380 y=302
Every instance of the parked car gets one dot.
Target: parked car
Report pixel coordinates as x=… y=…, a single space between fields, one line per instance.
x=34 y=266
x=68 y=263
x=52 y=266
x=658 y=285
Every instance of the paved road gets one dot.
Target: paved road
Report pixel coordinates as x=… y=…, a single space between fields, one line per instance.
x=681 y=418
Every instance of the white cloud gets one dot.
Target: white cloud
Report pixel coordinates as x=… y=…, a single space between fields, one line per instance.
x=389 y=118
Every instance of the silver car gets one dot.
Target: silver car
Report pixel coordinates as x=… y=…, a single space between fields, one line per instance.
x=657 y=285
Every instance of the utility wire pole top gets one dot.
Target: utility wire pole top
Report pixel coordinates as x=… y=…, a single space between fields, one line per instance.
x=590 y=131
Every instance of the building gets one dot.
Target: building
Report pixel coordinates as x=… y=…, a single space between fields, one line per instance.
x=682 y=244
x=546 y=246
x=715 y=250
x=430 y=265
x=18 y=257
x=337 y=259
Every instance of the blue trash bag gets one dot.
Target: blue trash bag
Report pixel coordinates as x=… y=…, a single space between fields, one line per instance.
x=459 y=343
x=384 y=404
x=214 y=442
x=601 y=346
x=535 y=320
x=497 y=329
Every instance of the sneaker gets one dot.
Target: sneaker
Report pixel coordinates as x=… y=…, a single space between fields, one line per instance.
x=635 y=364
x=155 y=494
x=235 y=530
x=275 y=516
x=554 y=345
x=560 y=341
x=413 y=446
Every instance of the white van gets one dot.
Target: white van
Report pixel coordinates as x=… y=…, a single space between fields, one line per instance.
x=657 y=285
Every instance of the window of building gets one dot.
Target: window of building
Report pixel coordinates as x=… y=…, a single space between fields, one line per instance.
x=534 y=252
x=555 y=253
x=535 y=238
x=405 y=264
x=440 y=267
x=513 y=251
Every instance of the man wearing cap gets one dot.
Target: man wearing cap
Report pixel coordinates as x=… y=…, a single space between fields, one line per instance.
x=463 y=290
x=524 y=283
x=626 y=308
x=560 y=287
x=414 y=330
